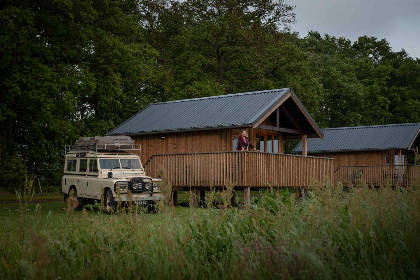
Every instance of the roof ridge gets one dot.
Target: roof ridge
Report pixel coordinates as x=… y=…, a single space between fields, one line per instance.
x=369 y=126
x=220 y=96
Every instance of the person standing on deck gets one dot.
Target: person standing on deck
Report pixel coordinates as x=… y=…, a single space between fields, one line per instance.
x=243 y=142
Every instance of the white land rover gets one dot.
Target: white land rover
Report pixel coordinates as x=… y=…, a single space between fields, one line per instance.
x=108 y=173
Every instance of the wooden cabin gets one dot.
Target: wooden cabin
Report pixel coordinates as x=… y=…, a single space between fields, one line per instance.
x=375 y=154
x=212 y=124
x=193 y=141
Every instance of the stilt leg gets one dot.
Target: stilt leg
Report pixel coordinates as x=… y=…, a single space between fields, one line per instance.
x=247 y=196
x=174 y=198
x=194 y=197
x=202 y=198
x=233 y=198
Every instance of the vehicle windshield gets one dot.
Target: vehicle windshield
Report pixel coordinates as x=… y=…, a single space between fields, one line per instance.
x=130 y=164
x=115 y=163
x=109 y=163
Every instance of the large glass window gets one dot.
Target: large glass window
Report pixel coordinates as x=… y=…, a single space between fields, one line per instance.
x=276 y=145
x=130 y=164
x=71 y=164
x=93 y=165
x=269 y=143
x=260 y=143
x=109 y=163
x=83 y=165
x=234 y=143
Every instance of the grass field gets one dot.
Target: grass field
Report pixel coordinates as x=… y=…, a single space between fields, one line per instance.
x=361 y=234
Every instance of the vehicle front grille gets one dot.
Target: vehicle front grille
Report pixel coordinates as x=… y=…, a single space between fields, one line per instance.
x=139 y=185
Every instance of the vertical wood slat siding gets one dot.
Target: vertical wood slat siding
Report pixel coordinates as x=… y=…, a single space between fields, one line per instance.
x=379 y=175
x=243 y=169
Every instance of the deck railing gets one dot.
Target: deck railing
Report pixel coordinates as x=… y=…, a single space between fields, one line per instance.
x=379 y=175
x=242 y=169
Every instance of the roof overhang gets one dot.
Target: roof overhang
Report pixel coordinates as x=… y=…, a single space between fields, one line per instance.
x=275 y=105
x=184 y=130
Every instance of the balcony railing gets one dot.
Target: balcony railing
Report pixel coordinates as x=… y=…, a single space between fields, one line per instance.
x=379 y=175
x=242 y=169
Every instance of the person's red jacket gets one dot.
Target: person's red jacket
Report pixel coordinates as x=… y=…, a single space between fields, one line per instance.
x=243 y=143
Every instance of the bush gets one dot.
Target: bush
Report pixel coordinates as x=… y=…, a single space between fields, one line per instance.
x=12 y=173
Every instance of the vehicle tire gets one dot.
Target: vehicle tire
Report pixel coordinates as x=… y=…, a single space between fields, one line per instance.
x=109 y=202
x=78 y=202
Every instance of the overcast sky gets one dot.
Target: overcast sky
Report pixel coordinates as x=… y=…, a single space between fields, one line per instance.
x=398 y=21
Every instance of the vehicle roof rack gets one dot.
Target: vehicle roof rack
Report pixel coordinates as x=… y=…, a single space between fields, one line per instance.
x=109 y=144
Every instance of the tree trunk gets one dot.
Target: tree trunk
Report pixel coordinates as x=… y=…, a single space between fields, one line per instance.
x=219 y=68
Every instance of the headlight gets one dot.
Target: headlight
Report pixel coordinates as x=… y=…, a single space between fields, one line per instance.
x=121 y=187
x=155 y=187
x=136 y=186
x=148 y=186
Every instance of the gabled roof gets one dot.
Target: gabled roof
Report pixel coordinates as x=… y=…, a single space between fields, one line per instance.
x=363 y=138
x=215 y=112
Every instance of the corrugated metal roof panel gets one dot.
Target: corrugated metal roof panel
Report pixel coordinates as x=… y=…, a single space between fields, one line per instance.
x=363 y=138
x=200 y=113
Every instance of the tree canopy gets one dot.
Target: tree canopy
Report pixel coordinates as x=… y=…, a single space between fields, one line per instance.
x=72 y=68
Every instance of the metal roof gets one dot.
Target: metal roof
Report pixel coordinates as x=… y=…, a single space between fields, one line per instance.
x=232 y=110
x=363 y=138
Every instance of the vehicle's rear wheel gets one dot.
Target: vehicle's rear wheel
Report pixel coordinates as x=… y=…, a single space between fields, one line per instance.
x=76 y=202
x=109 y=203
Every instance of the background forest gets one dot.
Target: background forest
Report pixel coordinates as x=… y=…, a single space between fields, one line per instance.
x=72 y=68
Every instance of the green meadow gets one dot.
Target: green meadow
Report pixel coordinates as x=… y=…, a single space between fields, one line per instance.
x=330 y=234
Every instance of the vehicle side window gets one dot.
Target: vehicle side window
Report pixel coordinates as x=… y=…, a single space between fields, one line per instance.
x=83 y=165
x=71 y=164
x=93 y=165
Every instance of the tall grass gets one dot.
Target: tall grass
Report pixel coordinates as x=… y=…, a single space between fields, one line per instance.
x=358 y=234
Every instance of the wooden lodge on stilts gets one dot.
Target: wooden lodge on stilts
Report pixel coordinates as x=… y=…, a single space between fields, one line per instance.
x=377 y=155
x=192 y=142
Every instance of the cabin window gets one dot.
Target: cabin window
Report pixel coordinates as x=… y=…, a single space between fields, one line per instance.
x=275 y=144
x=260 y=143
x=268 y=143
x=71 y=165
x=83 y=165
x=234 y=143
x=386 y=160
x=93 y=165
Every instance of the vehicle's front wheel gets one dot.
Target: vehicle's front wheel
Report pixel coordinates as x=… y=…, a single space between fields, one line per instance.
x=76 y=202
x=109 y=203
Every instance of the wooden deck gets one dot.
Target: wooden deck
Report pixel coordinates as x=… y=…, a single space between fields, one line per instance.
x=379 y=175
x=242 y=169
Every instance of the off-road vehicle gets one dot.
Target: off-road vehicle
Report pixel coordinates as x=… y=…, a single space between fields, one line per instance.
x=107 y=169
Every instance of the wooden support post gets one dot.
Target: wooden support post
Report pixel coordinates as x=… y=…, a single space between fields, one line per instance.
x=278 y=118
x=247 y=196
x=305 y=145
x=233 y=198
x=194 y=197
x=202 y=198
x=400 y=173
x=174 y=198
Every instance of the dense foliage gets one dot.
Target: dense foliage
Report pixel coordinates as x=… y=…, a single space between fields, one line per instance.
x=73 y=68
x=361 y=234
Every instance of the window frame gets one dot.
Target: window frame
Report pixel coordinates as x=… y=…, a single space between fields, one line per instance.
x=80 y=165
x=93 y=160
x=75 y=166
x=266 y=135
